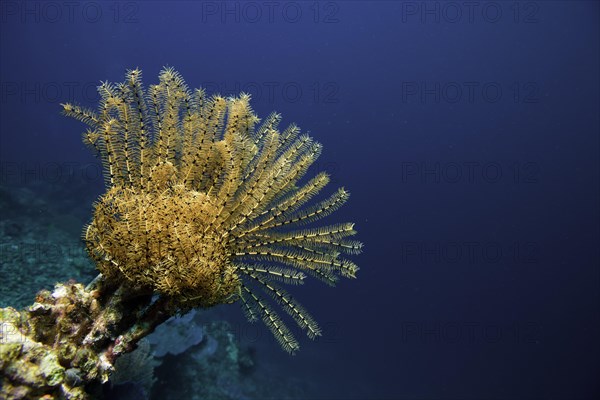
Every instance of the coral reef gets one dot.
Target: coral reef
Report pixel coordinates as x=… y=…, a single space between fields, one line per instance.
x=40 y=244
x=136 y=368
x=70 y=338
x=219 y=368
x=203 y=207
x=176 y=335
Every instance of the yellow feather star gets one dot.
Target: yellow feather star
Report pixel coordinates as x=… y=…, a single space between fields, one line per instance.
x=202 y=201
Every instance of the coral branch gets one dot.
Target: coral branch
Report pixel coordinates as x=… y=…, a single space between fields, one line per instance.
x=68 y=340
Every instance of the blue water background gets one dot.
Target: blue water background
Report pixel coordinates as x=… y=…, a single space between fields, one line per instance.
x=478 y=210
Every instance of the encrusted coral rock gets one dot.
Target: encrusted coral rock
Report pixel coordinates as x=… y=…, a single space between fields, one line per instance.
x=37 y=345
x=70 y=337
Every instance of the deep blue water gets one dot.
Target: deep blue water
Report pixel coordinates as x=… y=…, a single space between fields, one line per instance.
x=467 y=133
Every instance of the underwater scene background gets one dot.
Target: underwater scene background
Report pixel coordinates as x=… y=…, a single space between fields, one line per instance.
x=466 y=133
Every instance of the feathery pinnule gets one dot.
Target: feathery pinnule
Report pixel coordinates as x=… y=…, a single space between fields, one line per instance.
x=203 y=203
